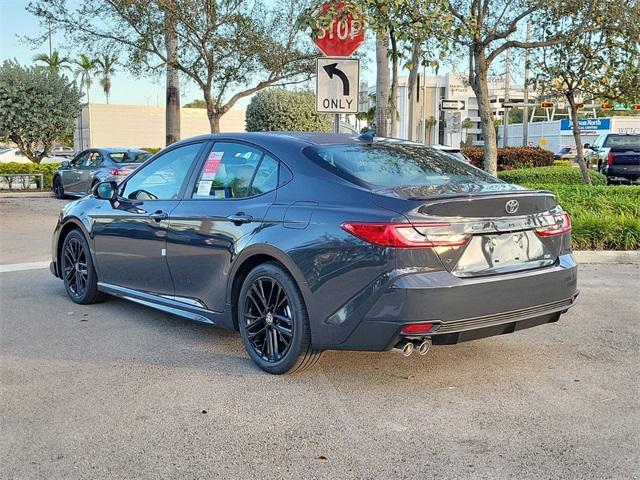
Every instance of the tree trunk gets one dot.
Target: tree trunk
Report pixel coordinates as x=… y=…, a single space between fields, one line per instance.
x=213 y=114
x=584 y=169
x=393 y=96
x=411 y=86
x=479 y=83
x=172 y=106
x=382 y=84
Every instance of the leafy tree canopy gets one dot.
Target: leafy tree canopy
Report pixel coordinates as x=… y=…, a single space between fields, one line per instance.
x=36 y=108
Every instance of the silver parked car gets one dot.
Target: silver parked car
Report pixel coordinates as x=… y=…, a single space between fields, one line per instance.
x=92 y=166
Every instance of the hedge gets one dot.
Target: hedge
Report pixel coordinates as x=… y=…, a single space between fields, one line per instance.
x=510 y=158
x=550 y=175
x=278 y=109
x=48 y=170
x=603 y=217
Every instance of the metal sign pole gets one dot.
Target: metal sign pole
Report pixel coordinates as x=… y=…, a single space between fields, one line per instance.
x=336 y=123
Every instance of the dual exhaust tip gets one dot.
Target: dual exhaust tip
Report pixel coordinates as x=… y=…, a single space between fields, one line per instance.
x=407 y=347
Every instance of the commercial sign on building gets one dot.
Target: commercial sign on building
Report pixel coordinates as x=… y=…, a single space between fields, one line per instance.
x=587 y=124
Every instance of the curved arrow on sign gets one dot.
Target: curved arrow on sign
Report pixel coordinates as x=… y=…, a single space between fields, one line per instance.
x=332 y=69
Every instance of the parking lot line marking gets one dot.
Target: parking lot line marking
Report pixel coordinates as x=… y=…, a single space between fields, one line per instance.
x=18 y=267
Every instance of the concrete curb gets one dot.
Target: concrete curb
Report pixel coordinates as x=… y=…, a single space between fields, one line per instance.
x=607 y=256
x=27 y=195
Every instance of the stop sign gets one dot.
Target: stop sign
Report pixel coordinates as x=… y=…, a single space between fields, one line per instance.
x=344 y=34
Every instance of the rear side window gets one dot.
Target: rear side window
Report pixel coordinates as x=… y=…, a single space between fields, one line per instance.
x=386 y=164
x=627 y=141
x=129 y=157
x=236 y=170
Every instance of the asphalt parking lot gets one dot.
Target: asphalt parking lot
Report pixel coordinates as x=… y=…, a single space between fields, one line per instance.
x=118 y=390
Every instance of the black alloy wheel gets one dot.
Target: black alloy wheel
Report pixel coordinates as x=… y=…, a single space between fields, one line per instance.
x=58 y=188
x=76 y=267
x=269 y=321
x=273 y=321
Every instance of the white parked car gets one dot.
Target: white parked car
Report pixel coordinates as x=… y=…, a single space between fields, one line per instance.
x=9 y=155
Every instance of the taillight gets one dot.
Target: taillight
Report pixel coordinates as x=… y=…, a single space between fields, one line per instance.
x=117 y=173
x=406 y=235
x=562 y=226
x=610 y=158
x=417 y=328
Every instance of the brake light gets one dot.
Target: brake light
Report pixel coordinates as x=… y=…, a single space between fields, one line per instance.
x=562 y=226
x=610 y=158
x=417 y=328
x=406 y=235
x=117 y=173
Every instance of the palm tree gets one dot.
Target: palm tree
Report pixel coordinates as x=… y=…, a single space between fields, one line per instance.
x=106 y=68
x=53 y=63
x=85 y=68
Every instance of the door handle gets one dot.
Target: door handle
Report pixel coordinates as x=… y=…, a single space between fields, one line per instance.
x=159 y=215
x=240 y=218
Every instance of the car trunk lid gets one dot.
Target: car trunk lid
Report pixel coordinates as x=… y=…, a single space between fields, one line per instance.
x=482 y=231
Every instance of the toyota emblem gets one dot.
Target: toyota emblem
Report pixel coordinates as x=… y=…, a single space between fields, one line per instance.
x=512 y=206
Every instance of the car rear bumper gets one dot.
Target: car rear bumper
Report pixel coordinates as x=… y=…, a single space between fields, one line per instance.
x=464 y=309
x=622 y=172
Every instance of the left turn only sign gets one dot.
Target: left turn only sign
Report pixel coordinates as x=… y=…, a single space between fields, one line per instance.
x=337 y=84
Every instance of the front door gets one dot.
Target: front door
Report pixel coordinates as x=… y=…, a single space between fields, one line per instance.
x=71 y=175
x=226 y=204
x=130 y=234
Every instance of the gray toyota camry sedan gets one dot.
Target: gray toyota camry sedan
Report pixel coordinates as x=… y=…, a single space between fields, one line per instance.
x=306 y=242
x=94 y=165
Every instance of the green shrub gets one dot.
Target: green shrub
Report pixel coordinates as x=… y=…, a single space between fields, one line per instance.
x=550 y=175
x=277 y=109
x=562 y=163
x=510 y=158
x=603 y=217
x=48 y=170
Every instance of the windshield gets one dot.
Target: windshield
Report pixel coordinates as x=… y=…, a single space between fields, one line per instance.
x=396 y=164
x=629 y=141
x=129 y=157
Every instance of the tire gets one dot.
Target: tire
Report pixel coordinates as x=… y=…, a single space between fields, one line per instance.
x=58 y=188
x=271 y=310
x=77 y=270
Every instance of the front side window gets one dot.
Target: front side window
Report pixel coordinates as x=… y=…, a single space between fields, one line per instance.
x=163 y=178
x=386 y=164
x=235 y=170
x=80 y=160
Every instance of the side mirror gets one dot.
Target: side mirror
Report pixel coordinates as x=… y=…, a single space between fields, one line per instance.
x=587 y=145
x=106 y=191
x=65 y=164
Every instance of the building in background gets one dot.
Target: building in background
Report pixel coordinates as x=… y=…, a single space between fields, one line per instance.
x=142 y=126
x=552 y=135
x=432 y=125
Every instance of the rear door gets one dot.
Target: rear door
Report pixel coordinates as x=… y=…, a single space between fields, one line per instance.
x=130 y=234
x=225 y=205
x=91 y=165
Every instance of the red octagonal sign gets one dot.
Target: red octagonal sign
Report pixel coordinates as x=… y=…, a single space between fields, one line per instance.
x=344 y=34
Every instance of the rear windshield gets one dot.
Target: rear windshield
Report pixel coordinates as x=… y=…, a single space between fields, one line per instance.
x=630 y=141
x=129 y=157
x=396 y=164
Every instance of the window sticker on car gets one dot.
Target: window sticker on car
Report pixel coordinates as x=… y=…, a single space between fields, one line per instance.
x=204 y=188
x=212 y=165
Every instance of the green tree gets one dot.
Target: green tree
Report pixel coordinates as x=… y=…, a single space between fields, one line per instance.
x=106 y=67
x=602 y=64
x=85 y=68
x=54 y=63
x=278 y=109
x=485 y=29
x=230 y=49
x=36 y=108
x=196 y=104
